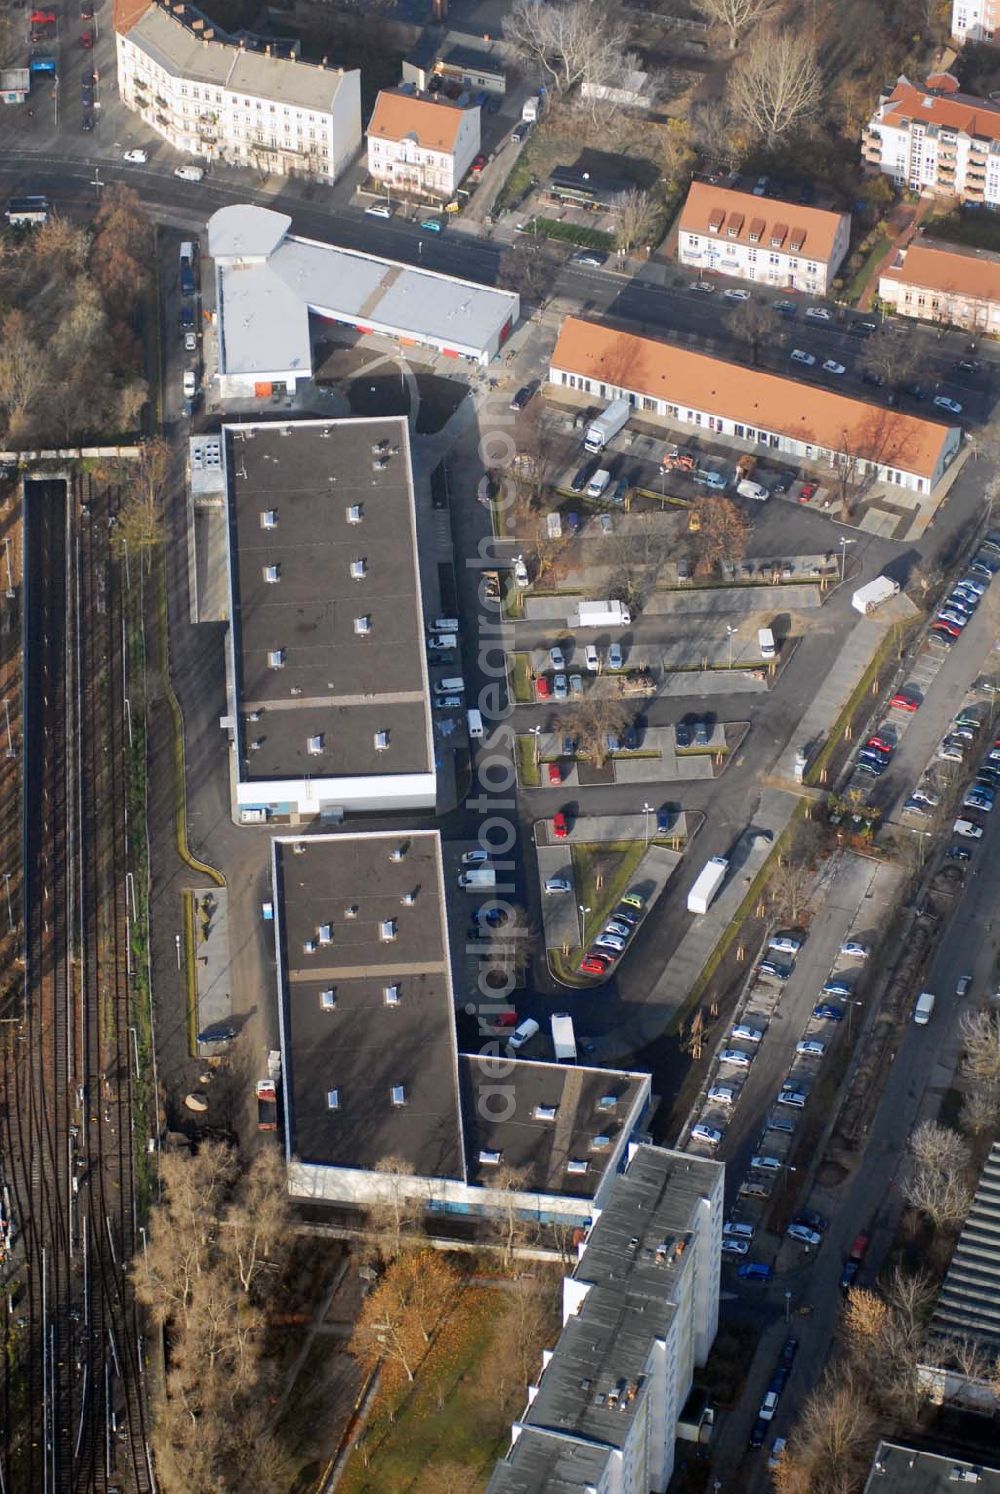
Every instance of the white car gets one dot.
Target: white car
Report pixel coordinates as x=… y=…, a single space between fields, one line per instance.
x=766 y=1164
x=853 y=949
x=708 y=1134
x=379 y=210
x=593 y=660
x=944 y=403
x=774 y=1458
x=810 y=1047
x=755 y=490
x=135 y=157
x=615 y=660
x=831 y=366
x=739 y=1229
x=797 y=355
x=722 y=1094
x=785 y=944
x=968 y=829
x=190 y=384
x=735 y=1247
x=736 y=295
x=819 y=313
x=768 y=1406
x=736 y=1058
x=557 y=884
x=804 y=1235
x=556 y=658
x=476 y=858
x=747 y=1034
x=560 y=687
x=614 y=942
x=189 y=173
x=190 y=342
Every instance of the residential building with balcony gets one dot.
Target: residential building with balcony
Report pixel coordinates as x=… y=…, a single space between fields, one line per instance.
x=762 y=239
x=640 y=1313
x=940 y=283
x=936 y=141
x=761 y=409
x=221 y=100
x=974 y=20
x=424 y=145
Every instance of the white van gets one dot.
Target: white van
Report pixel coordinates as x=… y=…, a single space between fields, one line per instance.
x=597 y=484
x=523 y=1033
x=924 y=1008
x=765 y=642
x=755 y=490
x=475 y=721
x=452 y=686
x=189 y=383
x=444 y=625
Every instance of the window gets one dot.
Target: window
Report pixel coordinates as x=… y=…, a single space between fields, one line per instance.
x=314 y=745
x=545 y=1112
x=387 y=930
x=577 y=1166
x=362 y=625
x=359 y=569
x=600 y=1143
x=328 y=999
x=276 y=658
x=381 y=741
x=333 y=1099
x=490 y=1159
x=270 y=574
x=391 y=995
x=608 y=1102
x=397 y=1094
x=325 y=933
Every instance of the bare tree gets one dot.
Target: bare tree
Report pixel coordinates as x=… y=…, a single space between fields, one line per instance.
x=529 y=267
x=534 y=466
x=723 y=533
x=981 y=1041
x=830 y=1446
x=25 y=372
x=775 y=84
x=509 y=1182
x=396 y=1214
x=980 y=1113
x=789 y=887
x=758 y=325
x=567 y=43
x=890 y=354
x=256 y=1225
x=636 y=212
x=510 y=945
x=937 y=1181
x=635 y=556
x=591 y=722
x=736 y=16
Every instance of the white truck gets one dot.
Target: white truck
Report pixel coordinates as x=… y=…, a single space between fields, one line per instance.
x=478 y=879
x=707 y=884
x=530 y=109
x=607 y=424
x=867 y=598
x=607 y=614
x=563 y=1037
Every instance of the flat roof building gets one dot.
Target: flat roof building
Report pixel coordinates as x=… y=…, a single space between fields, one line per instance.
x=640 y=1312
x=941 y=283
x=370 y=1058
x=762 y=409
x=268 y=282
x=329 y=707
x=899 y=1469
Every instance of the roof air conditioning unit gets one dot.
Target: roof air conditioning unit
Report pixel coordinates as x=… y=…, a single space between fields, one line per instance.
x=397 y=853
x=408 y=899
x=298 y=848
x=351 y=911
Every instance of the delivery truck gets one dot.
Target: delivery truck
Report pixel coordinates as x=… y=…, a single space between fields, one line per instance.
x=563 y=1037
x=867 y=598
x=607 y=614
x=478 y=879
x=707 y=884
x=607 y=425
x=267 y=1105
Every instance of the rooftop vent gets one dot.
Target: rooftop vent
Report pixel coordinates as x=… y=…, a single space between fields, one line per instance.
x=607 y=1102
x=381 y=741
x=328 y=999
x=545 y=1112
x=299 y=849
x=398 y=852
x=363 y=625
x=490 y=1159
x=408 y=899
x=577 y=1166
x=359 y=569
x=354 y=514
x=270 y=574
x=333 y=1099
x=256 y=744
x=309 y=947
x=275 y=658
x=600 y=1143
x=397 y=1094
x=391 y=994
x=269 y=518
x=314 y=745
x=387 y=930
x=351 y=911
x=959 y=1475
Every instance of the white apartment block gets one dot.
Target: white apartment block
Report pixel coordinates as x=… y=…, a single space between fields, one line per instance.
x=211 y=98
x=761 y=239
x=423 y=145
x=974 y=20
x=640 y=1313
x=936 y=141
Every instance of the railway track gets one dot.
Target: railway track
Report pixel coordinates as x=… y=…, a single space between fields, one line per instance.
x=77 y=1419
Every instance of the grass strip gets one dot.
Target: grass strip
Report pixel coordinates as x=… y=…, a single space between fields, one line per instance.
x=190 y=973
x=527 y=767
x=520 y=678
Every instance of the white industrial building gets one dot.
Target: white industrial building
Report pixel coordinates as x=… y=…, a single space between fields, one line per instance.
x=269 y=282
x=640 y=1313
x=221 y=100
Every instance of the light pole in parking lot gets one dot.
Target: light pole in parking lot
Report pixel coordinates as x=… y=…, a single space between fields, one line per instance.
x=788 y=1307
x=731 y=633
x=851 y=1004
x=535 y=732
x=647 y=810
x=583 y=921
x=844 y=542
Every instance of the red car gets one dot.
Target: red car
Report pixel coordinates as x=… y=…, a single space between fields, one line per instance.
x=504 y=1019
x=86 y=40
x=880 y=744
x=591 y=965
x=904 y=702
x=479 y=163
x=555 y=773
x=43 y=18
x=560 y=829
x=943 y=626
x=543 y=687
x=808 y=491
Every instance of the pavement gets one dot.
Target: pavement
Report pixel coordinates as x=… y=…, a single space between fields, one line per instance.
x=212 y=958
x=562 y=914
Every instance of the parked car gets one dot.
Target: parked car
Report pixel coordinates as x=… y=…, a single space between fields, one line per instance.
x=543 y=687
x=906 y=700
x=773 y=970
x=799 y=355
x=522 y=397
x=744 y=1032
x=554 y=773
x=964 y=985
x=951 y=405
x=837 y=987
x=785 y=943
x=560 y=829
x=708 y=1134
x=615 y=660
x=803 y=1235
x=754 y=1271
x=827 y=1012
x=768 y=1405
x=557 y=884
x=735 y=1247
x=135 y=157
x=583 y=475
x=831 y=366
x=722 y=1094
x=810 y=1047
x=592 y=965
x=819 y=313
x=734 y=1056
x=853 y=949
x=796 y=1098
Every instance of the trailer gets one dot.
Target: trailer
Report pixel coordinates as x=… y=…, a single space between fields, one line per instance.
x=607 y=425
x=867 y=598
x=707 y=884
x=563 y=1037
x=608 y=614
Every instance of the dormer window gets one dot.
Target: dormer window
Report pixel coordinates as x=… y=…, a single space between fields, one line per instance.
x=269 y=518
x=333 y=1099
x=325 y=933
x=577 y=1166
x=600 y=1143
x=490 y=1158
x=270 y=574
x=545 y=1112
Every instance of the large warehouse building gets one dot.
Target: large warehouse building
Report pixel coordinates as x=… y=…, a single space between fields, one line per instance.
x=329 y=707
x=371 y=1065
x=268 y=283
x=762 y=409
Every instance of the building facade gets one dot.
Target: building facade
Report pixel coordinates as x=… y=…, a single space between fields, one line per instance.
x=221 y=101
x=758 y=408
x=640 y=1313
x=939 y=283
x=761 y=239
x=936 y=141
x=974 y=20
x=421 y=145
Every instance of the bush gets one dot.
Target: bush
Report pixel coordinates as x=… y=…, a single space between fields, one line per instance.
x=573 y=233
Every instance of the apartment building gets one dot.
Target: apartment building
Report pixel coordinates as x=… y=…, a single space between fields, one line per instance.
x=640 y=1312
x=220 y=100
x=937 y=141
x=763 y=410
x=419 y=144
x=974 y=20
x=940 y=283
x=762 y=239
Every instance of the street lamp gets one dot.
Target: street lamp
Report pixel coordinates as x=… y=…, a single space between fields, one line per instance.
x=844 y=542
x=788 y=1307
x=583 y=920
x=647 y=810
x=731 y=633
x=535 y=732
